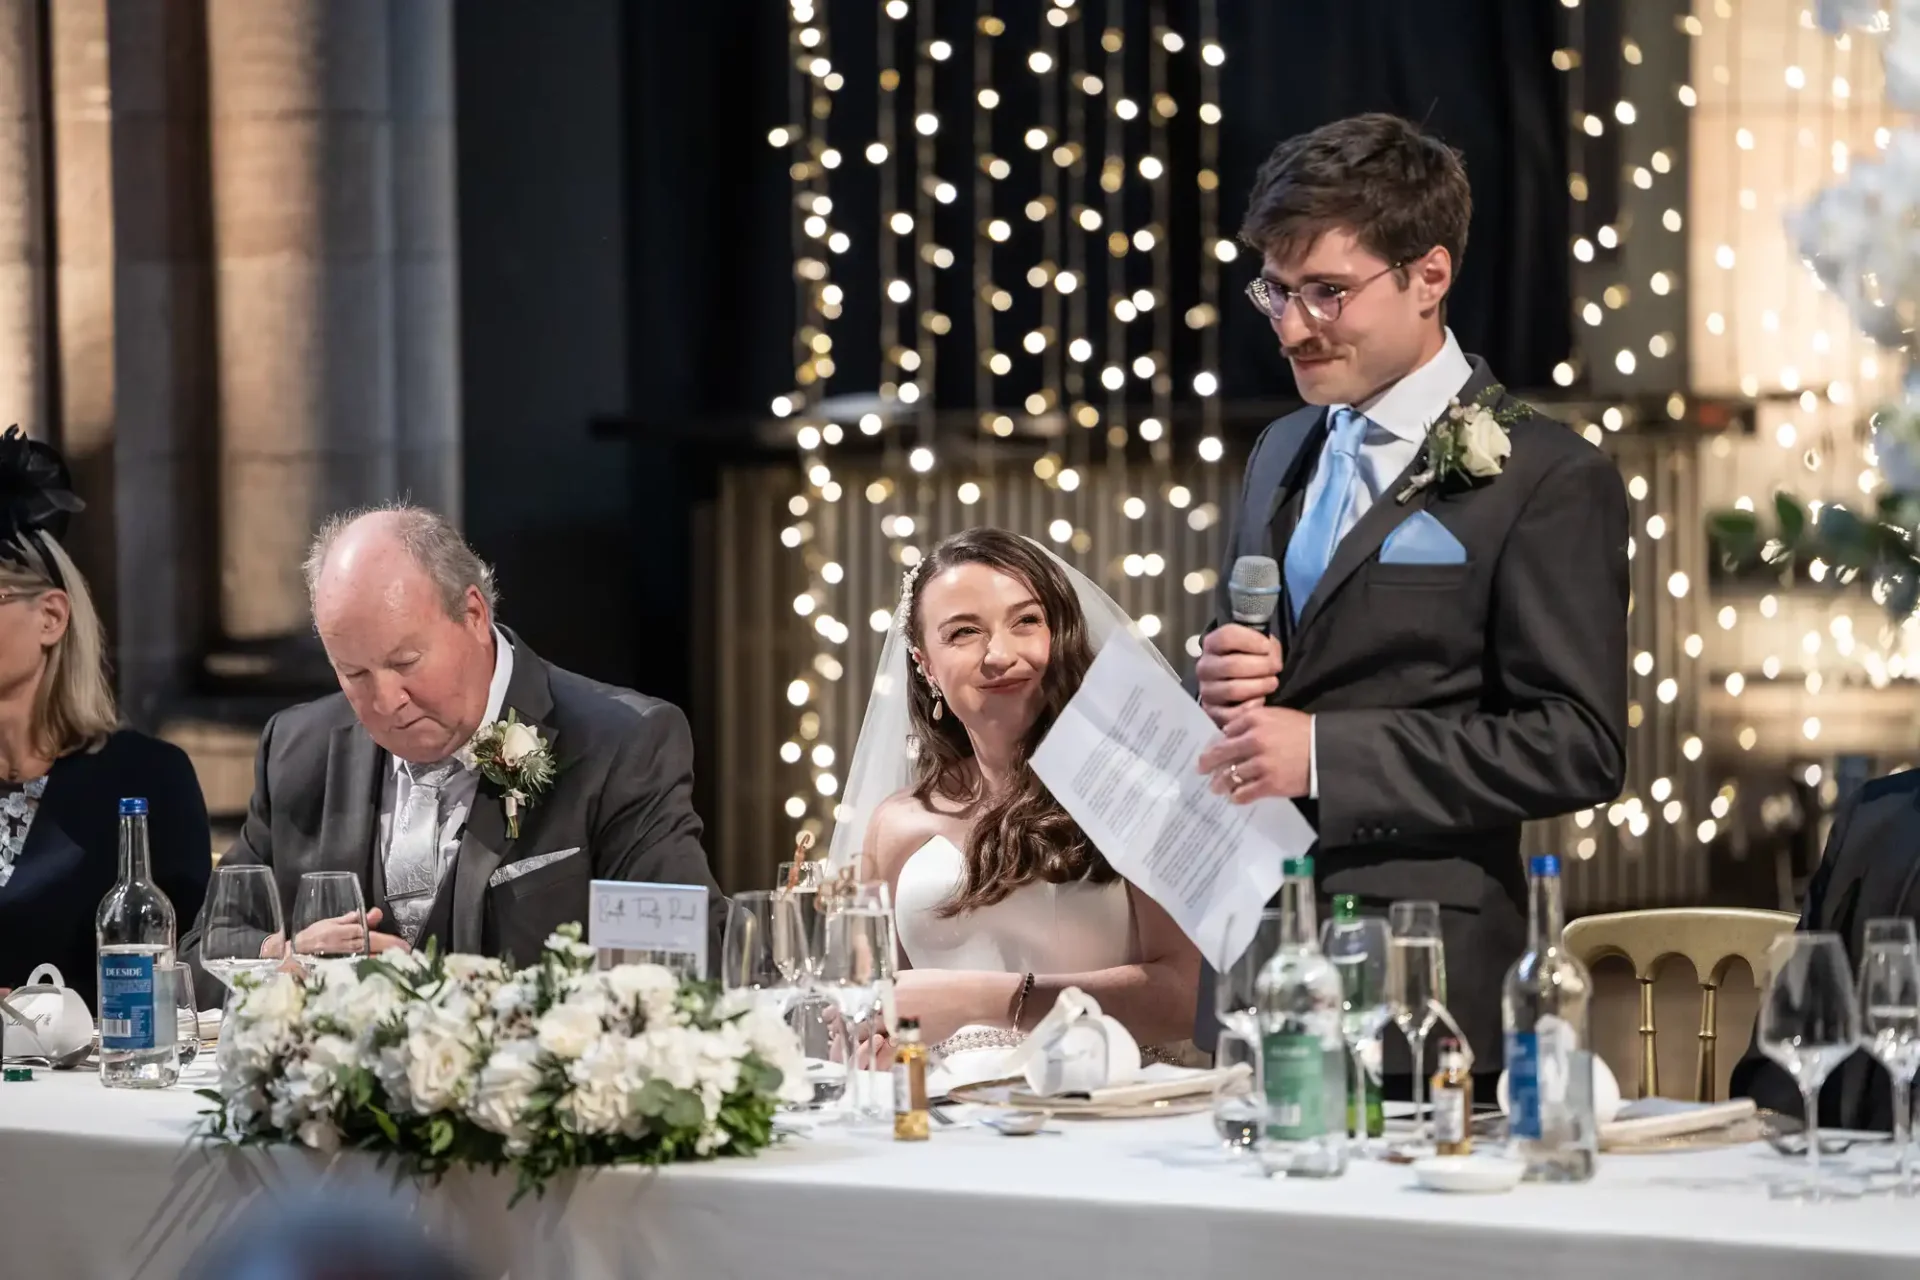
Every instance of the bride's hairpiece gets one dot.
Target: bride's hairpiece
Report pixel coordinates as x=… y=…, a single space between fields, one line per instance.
x=903 y=609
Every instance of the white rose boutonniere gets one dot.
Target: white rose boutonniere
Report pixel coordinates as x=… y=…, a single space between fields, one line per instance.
x=515 y=758
x=1469 y=442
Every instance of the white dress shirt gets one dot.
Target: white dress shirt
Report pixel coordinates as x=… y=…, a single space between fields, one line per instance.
x=456 y=798
x=1398 y=419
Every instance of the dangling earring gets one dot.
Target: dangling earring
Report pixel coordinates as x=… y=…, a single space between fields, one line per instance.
x=938 y=709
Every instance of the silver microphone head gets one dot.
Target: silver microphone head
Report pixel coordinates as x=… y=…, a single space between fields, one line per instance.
x=1254 y=589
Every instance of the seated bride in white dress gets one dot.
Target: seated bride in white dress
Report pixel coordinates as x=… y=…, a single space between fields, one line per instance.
x=1000 y=901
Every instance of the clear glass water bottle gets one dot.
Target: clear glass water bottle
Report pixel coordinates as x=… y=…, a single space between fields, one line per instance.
x=135 y=929
x=1543 y=1010
x=1303 y=1053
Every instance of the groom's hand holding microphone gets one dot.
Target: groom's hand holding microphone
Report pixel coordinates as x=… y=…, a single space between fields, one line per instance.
x=1267 y=751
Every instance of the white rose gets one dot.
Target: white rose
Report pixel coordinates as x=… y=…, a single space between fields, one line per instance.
x=566 y=1030
x=517 y=741
x=437 y=1065
x=506 y=1084
x=276 y=1001
x=1484 y=445
x=460 y=965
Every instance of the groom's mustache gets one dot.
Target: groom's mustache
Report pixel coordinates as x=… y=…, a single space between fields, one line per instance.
x=1314 y=352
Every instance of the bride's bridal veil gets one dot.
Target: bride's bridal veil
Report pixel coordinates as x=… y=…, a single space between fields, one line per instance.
x=883 y=755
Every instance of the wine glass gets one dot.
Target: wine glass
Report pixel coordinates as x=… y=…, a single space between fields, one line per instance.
x=1889 y=992
x=1809 y=1023
x=855 y=945
x=763 y=952
x=1236 y=1001
x=244 y=932
x=1360 y=951
x=329 y=917
x=1416 y=983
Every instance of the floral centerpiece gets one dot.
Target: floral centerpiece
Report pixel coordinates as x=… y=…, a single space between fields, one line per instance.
x=450 y=1061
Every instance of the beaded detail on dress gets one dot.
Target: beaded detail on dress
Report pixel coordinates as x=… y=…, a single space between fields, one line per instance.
x=18 y=804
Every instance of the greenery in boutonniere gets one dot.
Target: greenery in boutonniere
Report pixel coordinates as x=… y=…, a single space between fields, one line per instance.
x=1467 y=443
x=515 y=759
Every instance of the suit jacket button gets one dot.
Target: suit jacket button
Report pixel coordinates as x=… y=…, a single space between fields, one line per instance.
x=1393 y=831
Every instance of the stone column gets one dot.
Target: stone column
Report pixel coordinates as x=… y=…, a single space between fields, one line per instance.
x=164 y=353
x=24 y=374
x=300 y=103
x=426 y=330
x=82 y=105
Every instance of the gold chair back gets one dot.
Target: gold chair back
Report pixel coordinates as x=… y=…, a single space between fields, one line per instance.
x=1710 y=938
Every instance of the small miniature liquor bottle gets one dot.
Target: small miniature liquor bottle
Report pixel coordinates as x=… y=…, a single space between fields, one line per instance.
x=909 y=1084
x=1452 y=1102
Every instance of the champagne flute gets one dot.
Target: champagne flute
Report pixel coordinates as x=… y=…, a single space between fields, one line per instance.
x=1360 y=951
x=329 y=918
x=801 y=880
x=1236 y=1002
x=244 y=932
x=1416 y=983
x=1240 y=1098
x=854 y=946
x=1809 y=1023
x=1890 y=1024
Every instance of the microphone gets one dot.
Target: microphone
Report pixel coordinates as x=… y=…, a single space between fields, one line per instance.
x=1253 y=588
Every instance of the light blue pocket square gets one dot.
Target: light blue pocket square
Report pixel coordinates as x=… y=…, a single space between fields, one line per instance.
x=1421 y=539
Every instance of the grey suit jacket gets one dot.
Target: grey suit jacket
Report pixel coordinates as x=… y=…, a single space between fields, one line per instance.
x=1452 y=702
x=622 y=803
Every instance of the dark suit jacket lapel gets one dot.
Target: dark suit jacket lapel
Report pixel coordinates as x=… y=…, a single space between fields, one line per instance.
x=350 y=825
x=484 y=844
x=1384 y=516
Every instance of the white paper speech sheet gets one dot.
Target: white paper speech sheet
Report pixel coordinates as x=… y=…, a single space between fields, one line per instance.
x=1122 y=759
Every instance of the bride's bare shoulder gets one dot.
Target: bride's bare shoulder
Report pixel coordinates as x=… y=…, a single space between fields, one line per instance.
x=900 y=824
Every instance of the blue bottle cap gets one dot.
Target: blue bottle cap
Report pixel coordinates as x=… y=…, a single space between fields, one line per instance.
x=130 y=805
x=1544 y=864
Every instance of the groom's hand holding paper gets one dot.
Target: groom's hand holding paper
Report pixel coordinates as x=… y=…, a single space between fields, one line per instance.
x=1123 y=760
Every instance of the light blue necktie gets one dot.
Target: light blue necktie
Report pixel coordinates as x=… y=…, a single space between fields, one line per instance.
x=1311 y=548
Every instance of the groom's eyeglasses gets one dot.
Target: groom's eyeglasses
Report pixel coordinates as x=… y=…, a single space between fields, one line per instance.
x=1322 y=300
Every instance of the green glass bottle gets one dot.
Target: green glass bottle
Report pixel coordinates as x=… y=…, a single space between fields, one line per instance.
x=1346 y=910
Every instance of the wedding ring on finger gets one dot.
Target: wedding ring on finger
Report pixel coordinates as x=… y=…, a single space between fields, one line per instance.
x=1233 y=773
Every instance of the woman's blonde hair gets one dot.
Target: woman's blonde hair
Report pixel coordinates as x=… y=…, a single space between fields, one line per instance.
x=74 y=708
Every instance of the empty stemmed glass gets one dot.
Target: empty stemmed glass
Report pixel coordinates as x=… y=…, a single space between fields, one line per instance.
x=1236 y=998
x=1416 y=988
x=763 y=955
x=1360 y=951
x=244 y=931
x=329 y=918
x=855 y=946
x=1809 y=1023
x=1889 y=995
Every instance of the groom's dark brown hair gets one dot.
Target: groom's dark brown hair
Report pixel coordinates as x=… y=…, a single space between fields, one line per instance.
x=1398 y=190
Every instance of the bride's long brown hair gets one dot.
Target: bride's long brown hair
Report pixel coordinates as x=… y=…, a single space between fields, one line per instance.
x=1021 y=834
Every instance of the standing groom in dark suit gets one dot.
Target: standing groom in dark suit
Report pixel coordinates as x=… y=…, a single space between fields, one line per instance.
x=1448 y=659
x=372 y=781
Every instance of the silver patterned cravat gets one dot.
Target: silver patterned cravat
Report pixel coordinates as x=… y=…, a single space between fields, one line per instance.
x=413 y=853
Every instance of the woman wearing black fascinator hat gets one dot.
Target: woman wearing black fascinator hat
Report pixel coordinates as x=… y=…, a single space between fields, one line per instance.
x=65 y=760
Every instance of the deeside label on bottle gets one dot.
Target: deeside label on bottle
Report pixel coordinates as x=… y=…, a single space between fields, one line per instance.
x=128 y=1004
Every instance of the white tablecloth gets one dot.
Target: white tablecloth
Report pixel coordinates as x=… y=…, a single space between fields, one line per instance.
x=95 y=1182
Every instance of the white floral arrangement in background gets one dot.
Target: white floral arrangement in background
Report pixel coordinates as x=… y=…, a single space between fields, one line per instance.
x=458 y=1061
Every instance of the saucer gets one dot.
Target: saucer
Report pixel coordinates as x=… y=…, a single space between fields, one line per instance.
x=1468 y=1174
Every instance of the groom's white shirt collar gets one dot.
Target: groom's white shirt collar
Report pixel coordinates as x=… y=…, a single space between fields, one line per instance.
x=1411 y=405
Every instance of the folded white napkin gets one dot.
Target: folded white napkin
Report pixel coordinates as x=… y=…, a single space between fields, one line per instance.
x=1075 y=1049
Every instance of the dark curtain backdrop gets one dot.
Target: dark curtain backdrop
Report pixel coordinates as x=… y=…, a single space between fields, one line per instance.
x=626 y=287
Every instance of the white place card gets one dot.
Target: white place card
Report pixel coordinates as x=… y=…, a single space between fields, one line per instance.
x=660 y=920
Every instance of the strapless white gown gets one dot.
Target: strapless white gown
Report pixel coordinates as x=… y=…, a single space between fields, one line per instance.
x=1038 y=928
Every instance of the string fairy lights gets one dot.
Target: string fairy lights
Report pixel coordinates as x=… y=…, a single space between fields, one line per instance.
x=1075 y=420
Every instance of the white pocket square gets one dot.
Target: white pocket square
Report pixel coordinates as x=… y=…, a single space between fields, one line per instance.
x=514 y=870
